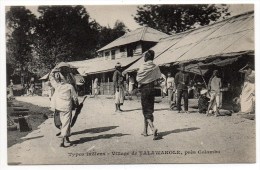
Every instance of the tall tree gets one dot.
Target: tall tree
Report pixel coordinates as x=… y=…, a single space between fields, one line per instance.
x=179 y=18
x=65 y=33
x=20 y=24
x=107 y=34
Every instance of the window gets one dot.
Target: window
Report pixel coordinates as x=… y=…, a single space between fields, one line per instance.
x=122 y=49
x=113 y=53
x=107 y=53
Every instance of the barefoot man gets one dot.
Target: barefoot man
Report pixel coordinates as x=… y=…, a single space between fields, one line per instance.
x=147 y=75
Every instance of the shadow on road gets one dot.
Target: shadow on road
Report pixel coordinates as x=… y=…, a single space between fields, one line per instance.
x=132 y=110
x=94 y=130
x=105 y=136
x=161 y=109
x=141 y=109
x=177 y=131
x=36 y=137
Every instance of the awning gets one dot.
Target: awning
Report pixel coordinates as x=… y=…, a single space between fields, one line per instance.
x=202 y=68
x=63 y=64
x=99 y=65
x=194 y=68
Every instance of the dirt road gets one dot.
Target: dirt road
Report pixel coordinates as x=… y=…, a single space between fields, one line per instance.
x=102 y=136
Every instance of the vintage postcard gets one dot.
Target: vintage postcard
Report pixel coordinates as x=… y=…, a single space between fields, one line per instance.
x=130 y=84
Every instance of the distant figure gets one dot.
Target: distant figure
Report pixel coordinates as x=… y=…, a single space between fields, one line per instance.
x=203 y=101
x=11 y=89
x=27 y=92
x=96 y=87
x=247 y=96
x=31 y=89
x=32 y=86
x=118 y=81
x=214 y=87
x=171 y=90
x=131 y=86
x=163 y=85
x=147 y=75
x=182 y=80
x=50 y=89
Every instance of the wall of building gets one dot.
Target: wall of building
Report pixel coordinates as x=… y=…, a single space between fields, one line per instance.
x=138 y=49
x=123 y=51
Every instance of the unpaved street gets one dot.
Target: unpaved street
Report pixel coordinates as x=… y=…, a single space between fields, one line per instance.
x=102 y=136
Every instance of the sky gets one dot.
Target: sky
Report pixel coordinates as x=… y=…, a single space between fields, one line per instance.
x=107 y=15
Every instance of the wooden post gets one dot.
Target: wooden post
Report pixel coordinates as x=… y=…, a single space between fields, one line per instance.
x=84 y=85
x=202 y=77
x=104 y=82
x=92 y=85
x=108 y=85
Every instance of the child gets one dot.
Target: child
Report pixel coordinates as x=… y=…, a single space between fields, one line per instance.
x=203 y=101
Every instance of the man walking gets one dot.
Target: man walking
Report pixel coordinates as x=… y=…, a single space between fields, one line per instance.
x=214 y=88
x=147 y=75
x=182 y=80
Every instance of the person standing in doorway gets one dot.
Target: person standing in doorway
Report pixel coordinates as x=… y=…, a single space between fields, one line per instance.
x=147 y=75
x=214 y=87
x=96 y=87
x=118 y=81
x=182 y=80
x=171 y=90
x=11 y=89
x=32 y=86
x=163 y=85
x=131 y=86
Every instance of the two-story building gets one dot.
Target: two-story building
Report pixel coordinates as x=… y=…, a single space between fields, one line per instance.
x=131 y=44
x=126 y=50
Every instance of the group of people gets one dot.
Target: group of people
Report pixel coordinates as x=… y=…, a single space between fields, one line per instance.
x=148 y=77
x=30 y=87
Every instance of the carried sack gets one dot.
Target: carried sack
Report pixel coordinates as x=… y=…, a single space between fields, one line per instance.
x=57 y=120
x=74 y=106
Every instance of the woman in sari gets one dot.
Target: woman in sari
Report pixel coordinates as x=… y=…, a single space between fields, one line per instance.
x=62 y=101
x=247 y=96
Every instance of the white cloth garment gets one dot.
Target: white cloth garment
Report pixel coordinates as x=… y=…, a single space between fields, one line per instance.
x=131 y=84
x=148 y=72
x=65 y=118
x=170 y=83
x=63 y=95
x=163 y=84
x=119 y=96
x=247 y=97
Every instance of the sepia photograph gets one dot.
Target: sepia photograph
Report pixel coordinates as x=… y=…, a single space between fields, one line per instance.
x=130 y=84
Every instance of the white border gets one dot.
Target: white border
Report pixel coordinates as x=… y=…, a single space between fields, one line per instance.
x=3 y=132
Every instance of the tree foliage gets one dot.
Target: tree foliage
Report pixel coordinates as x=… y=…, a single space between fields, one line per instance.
x=65 y=33
x=107 y=34
x=58 y=33
x=20 y=25
x=179 y=18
